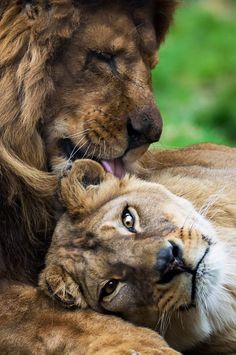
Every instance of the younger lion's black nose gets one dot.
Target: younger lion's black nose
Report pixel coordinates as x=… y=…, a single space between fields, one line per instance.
x=169 y=262
x=144 y=126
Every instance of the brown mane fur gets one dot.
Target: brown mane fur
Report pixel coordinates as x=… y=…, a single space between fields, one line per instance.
x=25 y=87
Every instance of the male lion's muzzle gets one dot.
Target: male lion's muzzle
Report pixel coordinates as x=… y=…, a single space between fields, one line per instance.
x=144 y=126
x=112 y=141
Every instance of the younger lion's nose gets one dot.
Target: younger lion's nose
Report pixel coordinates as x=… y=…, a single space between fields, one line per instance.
x=169 y=262
x=144 y=126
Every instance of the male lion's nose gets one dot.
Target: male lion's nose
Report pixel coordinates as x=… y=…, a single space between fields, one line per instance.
x=169 y=262
x=144 y=126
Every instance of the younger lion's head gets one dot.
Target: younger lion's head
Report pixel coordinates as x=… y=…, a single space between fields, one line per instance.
x=132 y=248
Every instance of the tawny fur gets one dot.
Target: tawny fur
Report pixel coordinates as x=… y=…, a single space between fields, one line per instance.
x=48 y=94
x=190 y=201
x=48 y=329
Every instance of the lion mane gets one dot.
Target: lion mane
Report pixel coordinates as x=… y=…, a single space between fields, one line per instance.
x=26 y=187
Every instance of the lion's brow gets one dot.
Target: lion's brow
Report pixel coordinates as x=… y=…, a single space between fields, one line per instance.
x=88 y=241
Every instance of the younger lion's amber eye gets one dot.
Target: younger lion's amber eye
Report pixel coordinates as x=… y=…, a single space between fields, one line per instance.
x=128 y=220
x=109 y=288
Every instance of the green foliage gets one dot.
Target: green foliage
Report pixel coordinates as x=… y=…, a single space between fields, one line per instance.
x=195 y=82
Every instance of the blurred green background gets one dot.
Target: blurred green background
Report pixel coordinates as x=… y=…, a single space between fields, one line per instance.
x=195 y=81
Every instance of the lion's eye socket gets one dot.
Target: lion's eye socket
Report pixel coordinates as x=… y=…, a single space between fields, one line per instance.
x=100 y=55
x=128 y=220
x=109 y=288
x=103 y=56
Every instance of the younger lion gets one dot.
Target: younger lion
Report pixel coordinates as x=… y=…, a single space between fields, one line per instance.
x=161 y=258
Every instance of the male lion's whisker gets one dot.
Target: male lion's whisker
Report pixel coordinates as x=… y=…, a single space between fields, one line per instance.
x=79 y=147
x=94 y=150
x=87 y=150
x=78 y=134
x=74 y=151
x=76 y=148
x=104 y=147
x=100 y=149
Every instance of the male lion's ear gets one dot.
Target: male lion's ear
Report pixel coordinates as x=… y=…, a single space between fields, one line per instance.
x=152 y=19
x=52 y=19
x=163 y=11
x=59 y=285
x=79 y=184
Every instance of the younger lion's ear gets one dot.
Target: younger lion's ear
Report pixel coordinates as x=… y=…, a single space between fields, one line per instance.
x=79 y=185
x=59 y=285
x=86 y=172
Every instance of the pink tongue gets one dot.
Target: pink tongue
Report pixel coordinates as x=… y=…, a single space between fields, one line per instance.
x=115 y=167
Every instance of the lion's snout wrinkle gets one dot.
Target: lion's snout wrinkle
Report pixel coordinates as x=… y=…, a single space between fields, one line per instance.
x=144 y=126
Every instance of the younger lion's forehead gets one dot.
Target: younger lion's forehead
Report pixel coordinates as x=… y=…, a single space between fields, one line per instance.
x=114 y=195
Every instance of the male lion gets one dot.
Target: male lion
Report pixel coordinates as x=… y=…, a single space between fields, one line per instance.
x=74 y=82
x=161 y=256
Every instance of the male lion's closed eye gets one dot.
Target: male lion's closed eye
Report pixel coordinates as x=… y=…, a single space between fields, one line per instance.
x=102 y=56
x=107 y=57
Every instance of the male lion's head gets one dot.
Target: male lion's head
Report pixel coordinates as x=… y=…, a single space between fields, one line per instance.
x=134 y=249
x=76 y=77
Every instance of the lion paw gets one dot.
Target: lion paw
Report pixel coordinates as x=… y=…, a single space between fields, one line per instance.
x=59 y=285
x=133 y=341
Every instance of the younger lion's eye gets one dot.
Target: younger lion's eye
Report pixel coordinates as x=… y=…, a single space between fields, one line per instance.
x=109 y=288
x=128 y=220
